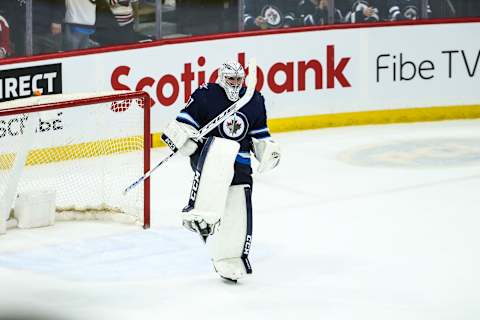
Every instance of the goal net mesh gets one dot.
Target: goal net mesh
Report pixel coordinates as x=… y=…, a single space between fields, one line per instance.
x=87 y=148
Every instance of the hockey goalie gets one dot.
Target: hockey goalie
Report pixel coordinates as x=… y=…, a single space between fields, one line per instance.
x=220 y=202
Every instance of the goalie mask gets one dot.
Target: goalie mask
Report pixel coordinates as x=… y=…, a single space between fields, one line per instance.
x=230 y=78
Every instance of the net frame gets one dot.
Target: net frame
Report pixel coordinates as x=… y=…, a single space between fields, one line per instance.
x=64 y=101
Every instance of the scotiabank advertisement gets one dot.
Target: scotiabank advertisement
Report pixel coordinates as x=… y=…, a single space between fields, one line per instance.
x=312 y=72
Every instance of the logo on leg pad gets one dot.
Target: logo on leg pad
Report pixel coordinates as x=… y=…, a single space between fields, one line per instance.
x=248 y=243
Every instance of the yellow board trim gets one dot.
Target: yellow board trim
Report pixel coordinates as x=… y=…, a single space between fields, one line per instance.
x=363 y=118
x=76 y=151
x=374 y=117
x=135 y=143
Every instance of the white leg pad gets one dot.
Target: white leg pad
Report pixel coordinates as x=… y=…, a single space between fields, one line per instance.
x=212 y=178
x=229 y=246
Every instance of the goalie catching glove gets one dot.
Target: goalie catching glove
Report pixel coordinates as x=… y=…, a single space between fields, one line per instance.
x=267 y=152
x=178 y=136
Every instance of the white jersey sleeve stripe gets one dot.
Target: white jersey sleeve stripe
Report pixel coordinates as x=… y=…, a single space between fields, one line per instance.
x=259 y=131
x=187 y=118
x=244 y=154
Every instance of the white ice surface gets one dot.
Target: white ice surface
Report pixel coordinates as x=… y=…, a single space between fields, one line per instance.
x=370 y=222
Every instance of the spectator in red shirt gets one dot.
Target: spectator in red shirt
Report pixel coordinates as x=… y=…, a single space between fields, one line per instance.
x=5 y=49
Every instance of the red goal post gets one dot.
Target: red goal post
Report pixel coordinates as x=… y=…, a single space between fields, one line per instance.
x=85 y=147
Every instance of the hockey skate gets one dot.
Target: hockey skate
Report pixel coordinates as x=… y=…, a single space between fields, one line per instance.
x=230 y=270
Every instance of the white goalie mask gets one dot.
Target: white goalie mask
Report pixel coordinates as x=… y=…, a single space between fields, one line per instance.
x=230 y=78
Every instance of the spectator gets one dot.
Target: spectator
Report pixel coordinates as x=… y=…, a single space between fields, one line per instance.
x=315 y=12
x=406 y=10
x=5 y=49
x=47 y=21
x=79 y=24
x=14 y=13
x=364 y=11
x=269 y=14
x=115 y=22
x=48 y=18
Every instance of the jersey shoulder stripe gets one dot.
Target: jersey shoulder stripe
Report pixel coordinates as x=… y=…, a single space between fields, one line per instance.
x=187 y=119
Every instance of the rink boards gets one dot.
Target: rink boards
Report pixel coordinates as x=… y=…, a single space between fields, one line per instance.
x=310 y=77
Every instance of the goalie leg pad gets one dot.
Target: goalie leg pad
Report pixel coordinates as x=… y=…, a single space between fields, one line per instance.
x=213 y=175
x=230 y=245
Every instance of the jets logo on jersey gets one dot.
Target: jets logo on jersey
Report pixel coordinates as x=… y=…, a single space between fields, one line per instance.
x=21 y=3
x=273 y=15
x=235 y=127
x=410 y=12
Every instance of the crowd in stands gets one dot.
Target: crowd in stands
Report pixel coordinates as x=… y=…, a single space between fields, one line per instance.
x=60 y=25
x=264 y=14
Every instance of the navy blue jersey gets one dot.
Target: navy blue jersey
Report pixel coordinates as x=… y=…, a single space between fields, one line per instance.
x=355 y=12
x=311 y=14
x=207 y=102
x=277 y=13
x=405 y=9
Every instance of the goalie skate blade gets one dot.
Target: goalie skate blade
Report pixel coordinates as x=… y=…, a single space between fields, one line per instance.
x=228 y=280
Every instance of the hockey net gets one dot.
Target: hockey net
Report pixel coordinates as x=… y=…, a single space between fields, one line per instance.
x=85 y=147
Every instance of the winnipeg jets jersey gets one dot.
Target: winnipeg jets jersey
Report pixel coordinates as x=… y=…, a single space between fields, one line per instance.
x=277 y=13
x=405 y=9
x=356 y=7
x=310 y=14
x=208 y=101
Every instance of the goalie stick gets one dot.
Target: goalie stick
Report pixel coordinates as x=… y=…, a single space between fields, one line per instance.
x=251 y=82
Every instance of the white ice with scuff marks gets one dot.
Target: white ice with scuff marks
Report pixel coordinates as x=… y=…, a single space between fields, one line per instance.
x=370 y=222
